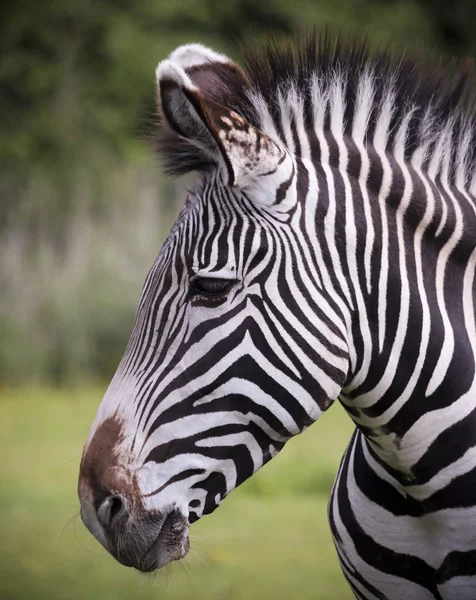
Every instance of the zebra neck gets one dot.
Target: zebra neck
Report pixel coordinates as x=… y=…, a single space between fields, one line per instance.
x=404 y=247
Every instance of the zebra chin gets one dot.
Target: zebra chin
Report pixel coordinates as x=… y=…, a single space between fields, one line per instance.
x=146 y=542
x=171 y=542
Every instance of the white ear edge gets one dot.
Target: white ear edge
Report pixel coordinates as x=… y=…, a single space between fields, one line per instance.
x=193 y=55
x=170 y=71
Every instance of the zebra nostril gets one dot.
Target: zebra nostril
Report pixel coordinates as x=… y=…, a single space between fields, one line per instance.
x=112 y=509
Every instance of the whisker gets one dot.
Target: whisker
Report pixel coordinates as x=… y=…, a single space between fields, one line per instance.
x=88 y=550
x=70 y=521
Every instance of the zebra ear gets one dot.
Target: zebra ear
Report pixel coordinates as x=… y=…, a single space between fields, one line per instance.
x=222 y=135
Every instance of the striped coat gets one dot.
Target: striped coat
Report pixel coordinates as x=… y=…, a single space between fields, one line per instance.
x=327 y=251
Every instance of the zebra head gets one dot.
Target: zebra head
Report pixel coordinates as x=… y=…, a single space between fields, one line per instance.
x=239 y=343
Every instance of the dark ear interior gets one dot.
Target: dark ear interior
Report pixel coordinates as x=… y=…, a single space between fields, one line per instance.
x=189 y=97
x=216 y=134
x=222 y=83
x=179 y=109
x=198 y=120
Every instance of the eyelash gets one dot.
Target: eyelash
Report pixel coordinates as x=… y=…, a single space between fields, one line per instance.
x=210 y=288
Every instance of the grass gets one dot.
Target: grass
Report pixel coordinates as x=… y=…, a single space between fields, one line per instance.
x=269 y=539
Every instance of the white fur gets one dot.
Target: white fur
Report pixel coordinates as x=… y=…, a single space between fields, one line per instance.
x=193 y=55
x=167 y=70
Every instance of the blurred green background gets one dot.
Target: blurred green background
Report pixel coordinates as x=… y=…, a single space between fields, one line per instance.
x=83 y=212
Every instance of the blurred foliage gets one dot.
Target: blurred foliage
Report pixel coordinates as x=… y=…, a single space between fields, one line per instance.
x=453 y=24
x=77 y=95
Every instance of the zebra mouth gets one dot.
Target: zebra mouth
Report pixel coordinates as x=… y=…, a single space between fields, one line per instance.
x=172 y=543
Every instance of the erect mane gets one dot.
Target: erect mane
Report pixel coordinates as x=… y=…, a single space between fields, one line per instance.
x=285 y=81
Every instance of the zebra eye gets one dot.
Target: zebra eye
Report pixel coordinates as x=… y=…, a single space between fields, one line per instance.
x=211 y=288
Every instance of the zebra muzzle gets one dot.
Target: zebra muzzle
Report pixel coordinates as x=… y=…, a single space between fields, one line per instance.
x=149 y=543
x=172 y=543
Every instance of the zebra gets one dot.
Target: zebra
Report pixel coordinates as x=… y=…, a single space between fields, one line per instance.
x=327 y=251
